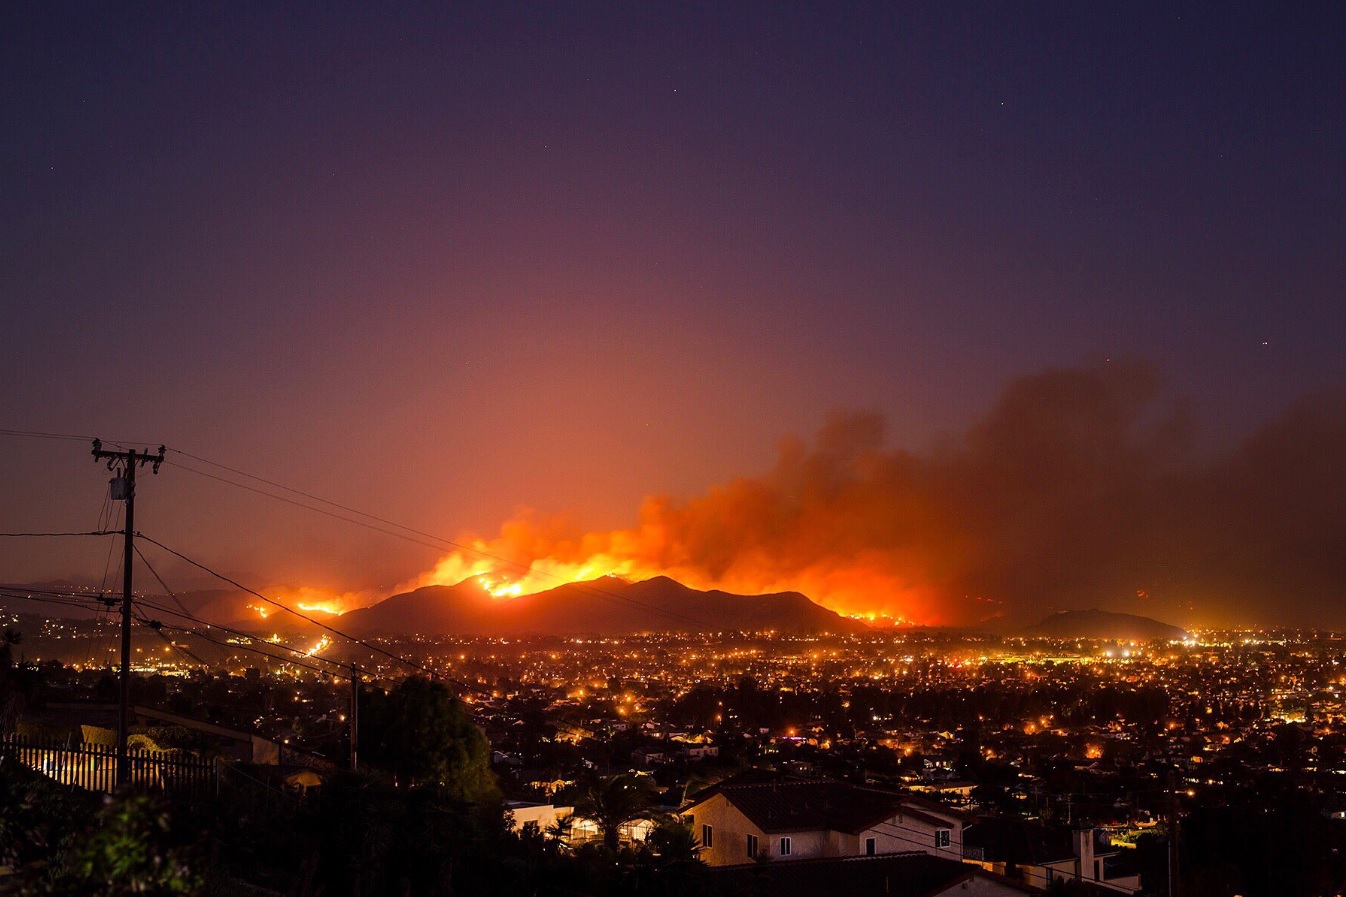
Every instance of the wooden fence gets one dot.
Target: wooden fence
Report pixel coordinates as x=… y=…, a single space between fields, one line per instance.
x=94 y=766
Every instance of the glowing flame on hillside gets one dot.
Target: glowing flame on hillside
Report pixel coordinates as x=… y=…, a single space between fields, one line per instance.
x=322 y=607
x=835 y=522
x=1006 y=514
x=506 y=579
x=533 y=556
x=311 y=600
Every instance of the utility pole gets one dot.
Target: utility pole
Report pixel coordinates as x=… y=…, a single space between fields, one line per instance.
x=1174 y=879
x=355 y=717
x=124 y=489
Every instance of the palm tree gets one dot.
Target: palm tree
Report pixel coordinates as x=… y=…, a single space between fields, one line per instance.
x=613 y=801
x=558 y=834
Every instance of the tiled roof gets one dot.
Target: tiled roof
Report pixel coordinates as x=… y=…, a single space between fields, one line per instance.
x=776 y=804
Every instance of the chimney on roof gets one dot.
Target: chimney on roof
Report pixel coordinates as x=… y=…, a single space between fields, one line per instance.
x=1083 y=842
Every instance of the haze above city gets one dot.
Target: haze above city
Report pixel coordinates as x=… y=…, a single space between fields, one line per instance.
x=939 y=315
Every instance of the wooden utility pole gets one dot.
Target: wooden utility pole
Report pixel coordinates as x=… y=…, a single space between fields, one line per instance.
x=355 y=717
x=124 y=489
x=1174 y=872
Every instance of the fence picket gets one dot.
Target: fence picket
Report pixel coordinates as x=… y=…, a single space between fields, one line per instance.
x=94 y=766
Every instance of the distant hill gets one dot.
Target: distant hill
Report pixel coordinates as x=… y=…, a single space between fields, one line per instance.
x=608 y=606
x=1102 y=624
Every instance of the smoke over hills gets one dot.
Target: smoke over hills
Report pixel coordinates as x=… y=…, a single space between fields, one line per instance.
x=1076 y=490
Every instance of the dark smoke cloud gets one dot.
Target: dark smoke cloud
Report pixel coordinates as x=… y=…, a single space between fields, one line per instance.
x=1078 y=489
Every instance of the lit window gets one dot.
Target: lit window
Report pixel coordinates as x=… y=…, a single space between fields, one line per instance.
x=707 y=837
x=785 y=847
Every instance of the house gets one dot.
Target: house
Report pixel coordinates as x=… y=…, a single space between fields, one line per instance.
x=759 y=814
x=700 y=751
x=951 y=789
x=544 y=816
x=1040 y=856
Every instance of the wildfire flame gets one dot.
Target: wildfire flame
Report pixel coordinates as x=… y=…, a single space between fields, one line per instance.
x=533 y=556
x=312 y=599
x=322 y=607
x=503 y=579
x=844 y=522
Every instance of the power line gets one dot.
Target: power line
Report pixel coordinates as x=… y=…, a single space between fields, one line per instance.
x=439 y=542
x=399 y=531
x=44 y=598
x=114 y=515
x=157 y=628
x=344 y=666
x=332 y=514
x=155 y=573
x=67 y=598
x=37 y=434
x=310 y=496
x=101 y=532
x=332 y=629
x=252 y=637
x=59 y=599
x=230 y=645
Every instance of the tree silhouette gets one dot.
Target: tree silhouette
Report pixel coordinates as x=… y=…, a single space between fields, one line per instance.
x=613 y=801
x=421 y=734
x=11 y=694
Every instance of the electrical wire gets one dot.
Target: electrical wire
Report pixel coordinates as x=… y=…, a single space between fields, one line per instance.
x=36 y=434
x=344 y=667
x=44 y=598
x=157 y=628
x=332 y=514
x=308 y=495
x=67 y=598
x=102 y=532
x=251 y=648
x=58 y=599
x=114 y=515
x=39 y=434
x=117 y=509
x=380 y=524
x=413 y=535
x=332 y=629
x=155 y=573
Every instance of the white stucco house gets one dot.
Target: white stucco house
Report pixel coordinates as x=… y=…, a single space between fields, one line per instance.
x=759 y=814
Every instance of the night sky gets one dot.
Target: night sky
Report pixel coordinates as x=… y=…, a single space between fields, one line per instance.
x=448 y=262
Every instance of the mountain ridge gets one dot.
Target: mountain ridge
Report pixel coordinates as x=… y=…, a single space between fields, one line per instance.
x=1104 y=624
x=606 y=606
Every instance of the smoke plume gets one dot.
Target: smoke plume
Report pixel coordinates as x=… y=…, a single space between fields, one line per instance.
x=1078 y=489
